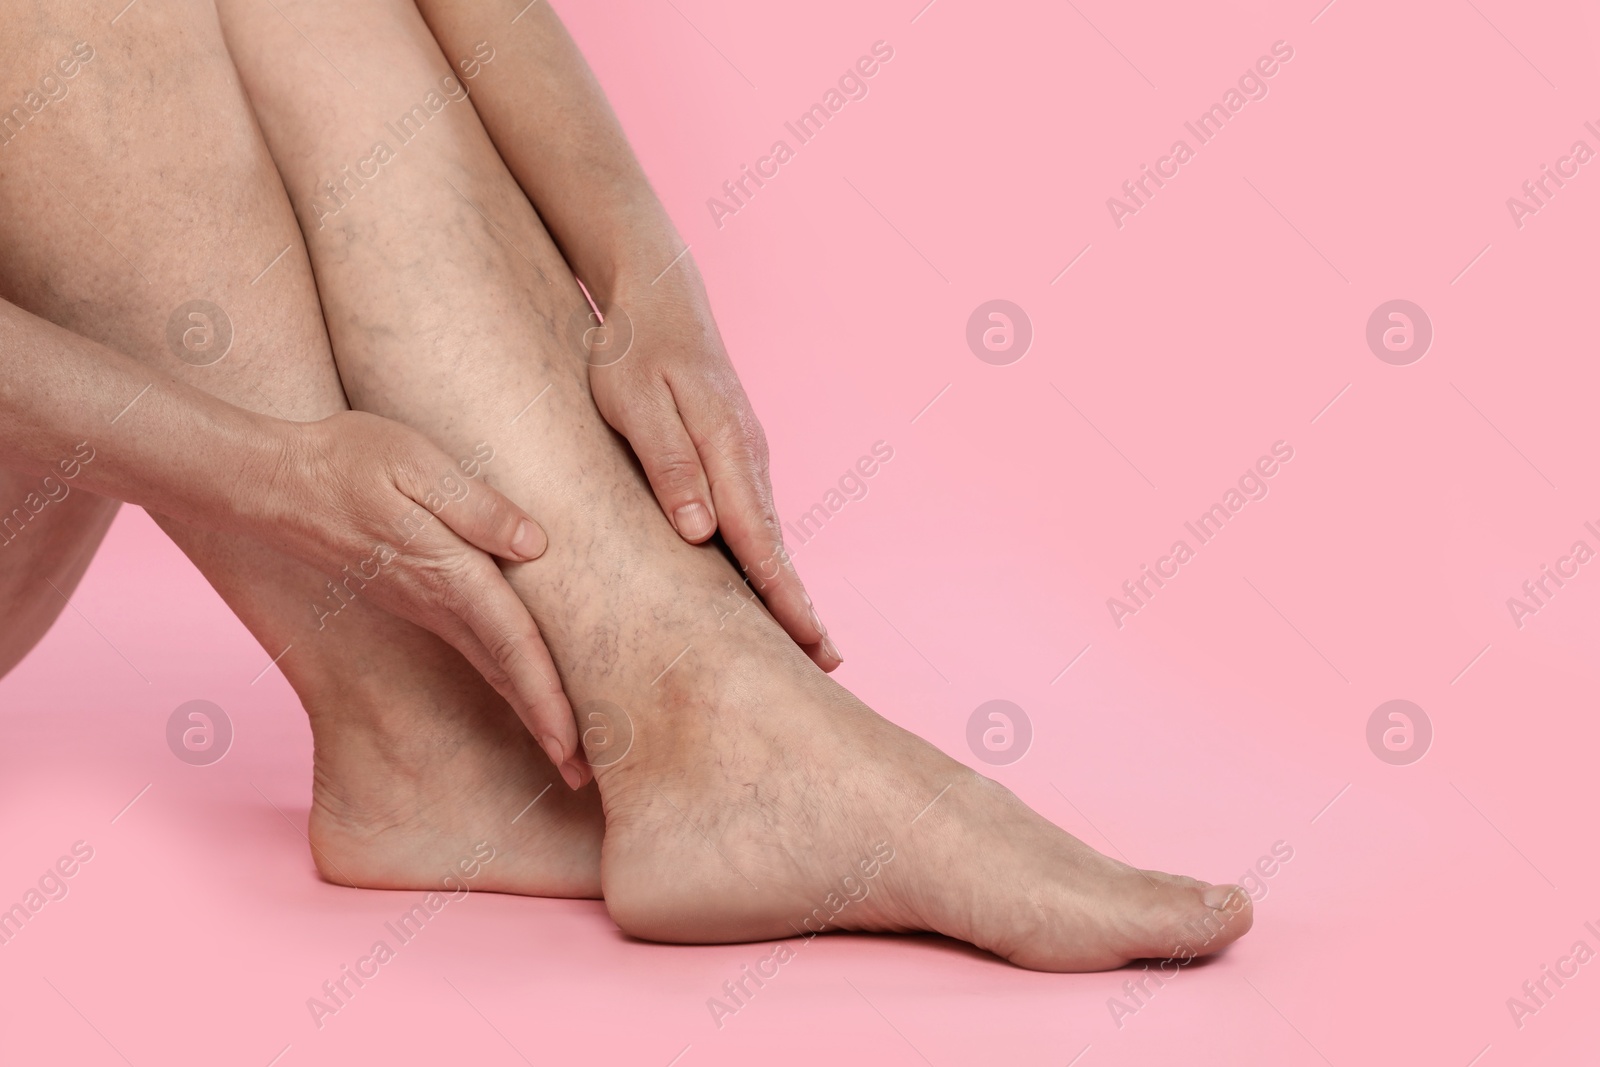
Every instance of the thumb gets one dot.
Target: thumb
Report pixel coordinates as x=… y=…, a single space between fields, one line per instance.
x=484 y=517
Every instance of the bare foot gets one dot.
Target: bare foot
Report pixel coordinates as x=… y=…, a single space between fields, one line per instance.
x=422 y=771
x=759 y=800
x=418 y=762
x=743 y=791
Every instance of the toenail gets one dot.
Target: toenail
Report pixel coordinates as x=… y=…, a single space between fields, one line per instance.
x=693 y=521
x=1220 y=897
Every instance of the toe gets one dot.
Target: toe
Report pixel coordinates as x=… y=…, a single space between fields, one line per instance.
x=1221 y=914
x=1177 y=880
x=1183 y=919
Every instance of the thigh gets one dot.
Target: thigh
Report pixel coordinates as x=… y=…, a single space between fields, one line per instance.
x=139 y=207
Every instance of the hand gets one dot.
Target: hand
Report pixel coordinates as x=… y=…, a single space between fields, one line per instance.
x=671 y=391
x=356 y=494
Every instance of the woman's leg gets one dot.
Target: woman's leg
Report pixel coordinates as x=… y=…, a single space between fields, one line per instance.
x=147 y=186
x=48 y=534
x=747 y=796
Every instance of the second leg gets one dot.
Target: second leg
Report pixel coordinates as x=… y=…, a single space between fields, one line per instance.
x=747 y=796
x=111 y=221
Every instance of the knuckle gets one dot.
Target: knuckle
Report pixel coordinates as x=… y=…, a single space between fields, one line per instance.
x=747 y=443
x=414 y=523
x=487 y=510
x=748 y=433
x=674 y=472
x=506 y=650
x=492 y=672
x=446 y=577
x=763 y=516
x=412 y=458
x=772 y=563
x=644 y=392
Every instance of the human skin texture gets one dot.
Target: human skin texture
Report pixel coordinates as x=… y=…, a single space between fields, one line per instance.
x=744 y=792
x=417 y=759
x=79 y=414
x=674 y=395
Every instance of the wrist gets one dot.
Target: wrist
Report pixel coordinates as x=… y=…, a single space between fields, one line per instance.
x=237 y=483
x=639 y=255
x=647 y=293
x=273 y=455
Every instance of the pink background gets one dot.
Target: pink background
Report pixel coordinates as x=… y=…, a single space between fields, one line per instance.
x=1223 y=718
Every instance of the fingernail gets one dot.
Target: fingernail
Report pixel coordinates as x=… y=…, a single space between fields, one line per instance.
x=571 y=775
x=821 y=629
x=529 y=543
x=693 y=521
x=829 y=649
x=1218 y=896
x=553 y=750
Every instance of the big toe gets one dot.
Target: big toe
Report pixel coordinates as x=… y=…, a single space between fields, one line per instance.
x=1213 y=917
x=1128 y=918
x=1181 y=918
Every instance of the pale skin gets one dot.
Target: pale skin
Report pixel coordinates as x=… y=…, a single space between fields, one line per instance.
x=738 y=792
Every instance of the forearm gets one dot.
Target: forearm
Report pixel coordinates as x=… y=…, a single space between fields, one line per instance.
x=82 y=414
x=559 y=137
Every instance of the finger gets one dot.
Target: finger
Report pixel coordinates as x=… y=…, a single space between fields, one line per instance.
x=530 y=684
x=478 y=513
x=468 y=602
x=650 y=422
x=511 y=654
x=733 y=448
